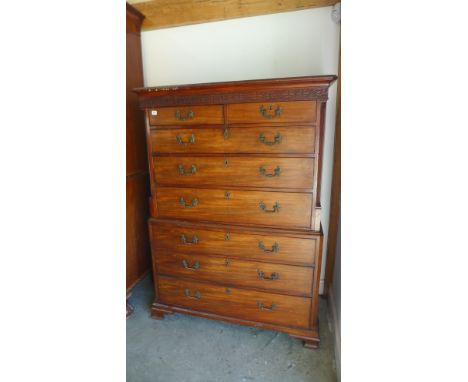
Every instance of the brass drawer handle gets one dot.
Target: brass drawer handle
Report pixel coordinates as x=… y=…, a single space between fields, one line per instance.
x=277 y=139
x=182 y=171
x=196 y=265
x=276 y=172
x=276 y=207
x=193 y=204
x=190 y=115
x=274 y=247
x=263 y=307
x=196 y=295
x=264 y=112
x=191 y=140
x=261 y=275
x=184 y=240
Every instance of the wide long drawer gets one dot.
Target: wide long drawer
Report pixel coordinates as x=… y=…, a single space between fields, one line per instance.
x=263 y=140
x=272 y=247
x=235 y=302
x=282 y=209
x=271 y=172
x=273 y=277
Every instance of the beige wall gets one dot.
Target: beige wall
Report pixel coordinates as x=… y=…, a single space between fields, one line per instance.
x=281 y=45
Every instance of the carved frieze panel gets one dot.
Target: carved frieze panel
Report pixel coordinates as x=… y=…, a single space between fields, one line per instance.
x=301 y=94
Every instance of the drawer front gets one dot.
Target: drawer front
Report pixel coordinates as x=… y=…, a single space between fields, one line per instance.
x=272 y=277
x=262 y=140
x=265 y=247
x=280 y=112
x=190 y=115
x=283 y=209
x=235 y=171
x=233 y=302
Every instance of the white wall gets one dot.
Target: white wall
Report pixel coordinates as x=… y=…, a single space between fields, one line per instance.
x=281 y=45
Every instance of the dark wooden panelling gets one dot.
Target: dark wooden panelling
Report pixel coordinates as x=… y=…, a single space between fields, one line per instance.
x=138 y=251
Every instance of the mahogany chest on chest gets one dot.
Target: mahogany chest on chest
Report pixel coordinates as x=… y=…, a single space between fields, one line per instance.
x=235 y=200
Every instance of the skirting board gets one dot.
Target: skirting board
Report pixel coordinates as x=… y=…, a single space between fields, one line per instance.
x=129 y=289
x=336 y=331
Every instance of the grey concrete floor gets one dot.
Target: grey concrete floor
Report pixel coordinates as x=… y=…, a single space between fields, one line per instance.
x=182 y=348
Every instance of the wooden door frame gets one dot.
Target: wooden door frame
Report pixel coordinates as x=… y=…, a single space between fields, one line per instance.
x=335 y=200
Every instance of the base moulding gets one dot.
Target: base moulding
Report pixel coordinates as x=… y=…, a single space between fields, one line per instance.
x=309 y=337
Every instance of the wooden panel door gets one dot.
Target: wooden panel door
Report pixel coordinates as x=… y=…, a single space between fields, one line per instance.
x=138 y=251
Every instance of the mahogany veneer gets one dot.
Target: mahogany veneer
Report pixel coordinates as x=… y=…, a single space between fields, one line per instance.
x=272 y=247
x=231 y=206
x=234 y=140
x=174 y=115
x=269 y=172
x=235 y=180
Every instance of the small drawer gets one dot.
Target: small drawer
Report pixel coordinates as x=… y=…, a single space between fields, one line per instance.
x=234 y=302
x=271 y=247
x=269 y=172
x=254 y=139
x=226 y=270
x=186 y=115
x=276 y=112
x=282 y=209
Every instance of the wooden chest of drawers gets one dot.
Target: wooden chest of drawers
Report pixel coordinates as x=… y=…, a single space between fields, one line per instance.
x=235 y=180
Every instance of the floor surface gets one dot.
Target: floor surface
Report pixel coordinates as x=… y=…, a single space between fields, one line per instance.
x=182 y=348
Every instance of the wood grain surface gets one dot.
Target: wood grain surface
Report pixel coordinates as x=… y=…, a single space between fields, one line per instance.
x=272 y=247
x=235 y=302
x=138 y=256
x=235 y=179
x=191 y=115
x=276 y=112
x=170 y=13
x=221 y=140
x=228 y=206
x=289 y=279
x=270 y=172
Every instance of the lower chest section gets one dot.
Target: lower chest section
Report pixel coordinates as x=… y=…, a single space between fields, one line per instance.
x=249 y=274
